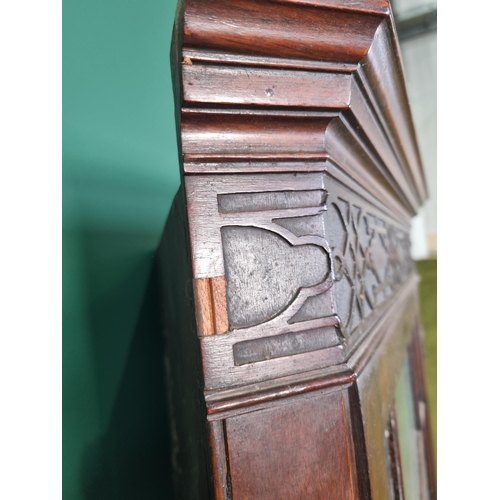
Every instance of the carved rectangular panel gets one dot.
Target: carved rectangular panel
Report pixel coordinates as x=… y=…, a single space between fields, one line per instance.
x=250 y=233
x=287 y=344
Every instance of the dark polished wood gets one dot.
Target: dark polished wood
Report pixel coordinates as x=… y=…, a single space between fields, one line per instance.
x=290 y=296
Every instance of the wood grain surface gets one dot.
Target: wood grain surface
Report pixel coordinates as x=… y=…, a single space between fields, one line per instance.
x=301 y=449
x=377 y=384
x=211 y=305
x=295 y=304
x=284 y=29
x=264 y=87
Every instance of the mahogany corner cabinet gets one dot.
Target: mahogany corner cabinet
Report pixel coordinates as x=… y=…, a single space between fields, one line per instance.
x=293 y=347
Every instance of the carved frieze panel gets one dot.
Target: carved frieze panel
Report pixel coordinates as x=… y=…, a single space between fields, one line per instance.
x=255 y=232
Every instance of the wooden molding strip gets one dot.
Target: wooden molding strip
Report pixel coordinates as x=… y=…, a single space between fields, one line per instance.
x=235 y=398
x=378 y=6
x=286 y=30
x=242 y=101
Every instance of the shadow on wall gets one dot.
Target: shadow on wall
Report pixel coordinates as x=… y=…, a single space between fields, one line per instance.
x=120 y=174
x=134 y=457
x=132 y=460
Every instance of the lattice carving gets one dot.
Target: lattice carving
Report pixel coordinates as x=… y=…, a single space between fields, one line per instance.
x=371 y=256
x=257 y=237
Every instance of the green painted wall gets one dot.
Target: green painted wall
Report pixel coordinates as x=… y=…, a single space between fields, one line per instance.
x=120 y=174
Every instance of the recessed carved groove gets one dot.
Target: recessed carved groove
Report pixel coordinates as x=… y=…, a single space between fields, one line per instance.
x=260 y=270
x=276 y=158
x=264 y=219
x=317 y=306
x=254 y=202
x=288 y=344
x=288 y=112
x=225 y=166
x=303 y=226
x=202 y=55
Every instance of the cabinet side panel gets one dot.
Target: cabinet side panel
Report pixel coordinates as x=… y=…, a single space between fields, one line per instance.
x=185 y=401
